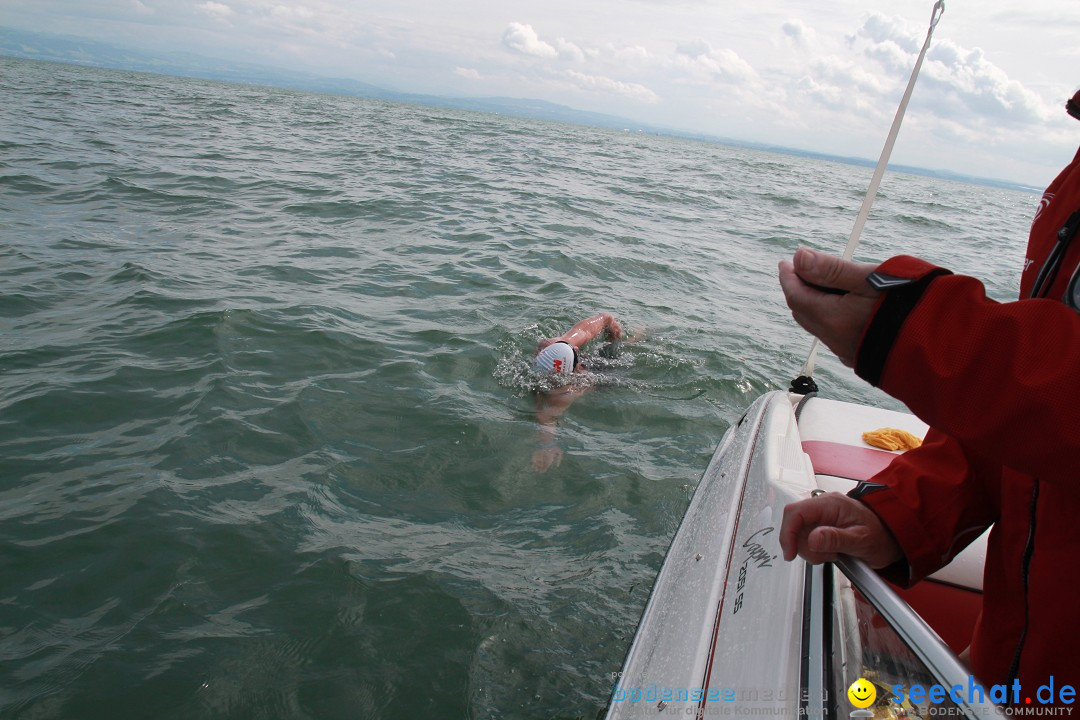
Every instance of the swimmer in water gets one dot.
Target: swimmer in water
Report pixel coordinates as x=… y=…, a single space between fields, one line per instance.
x=561 y=356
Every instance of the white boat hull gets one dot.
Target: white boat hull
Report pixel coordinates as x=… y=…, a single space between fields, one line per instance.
x=728 y=619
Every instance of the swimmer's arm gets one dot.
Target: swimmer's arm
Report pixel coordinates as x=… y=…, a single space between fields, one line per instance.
x=548 y=452
x=546 y=434
x=551 y=405
x=590 y=328
x=549 y=408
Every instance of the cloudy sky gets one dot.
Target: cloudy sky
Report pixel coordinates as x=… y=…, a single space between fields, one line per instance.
x=822 y=75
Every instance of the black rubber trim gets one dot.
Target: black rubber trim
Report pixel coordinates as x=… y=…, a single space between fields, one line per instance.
x=1029 y=550
x=804 y=653
x=881 y=281
x=799 y=407
x=864 y=488
x=885 y=326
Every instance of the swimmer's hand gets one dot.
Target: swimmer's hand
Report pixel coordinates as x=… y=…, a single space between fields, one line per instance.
x=614 y=329
x=544 y=457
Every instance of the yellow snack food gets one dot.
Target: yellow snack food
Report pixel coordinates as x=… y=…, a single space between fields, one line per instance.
x=891 y=439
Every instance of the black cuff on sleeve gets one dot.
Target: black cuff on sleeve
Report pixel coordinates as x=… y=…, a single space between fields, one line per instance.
x=899 y=301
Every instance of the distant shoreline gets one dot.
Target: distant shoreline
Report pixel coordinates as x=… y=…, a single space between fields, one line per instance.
x=69 y=50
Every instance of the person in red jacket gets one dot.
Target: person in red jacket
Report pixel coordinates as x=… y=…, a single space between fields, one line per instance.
x=999 y=385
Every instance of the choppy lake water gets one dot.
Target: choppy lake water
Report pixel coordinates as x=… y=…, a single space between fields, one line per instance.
x=265 y=414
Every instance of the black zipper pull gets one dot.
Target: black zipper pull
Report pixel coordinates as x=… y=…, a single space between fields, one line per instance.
x=1048 y=272
x=1066 y=232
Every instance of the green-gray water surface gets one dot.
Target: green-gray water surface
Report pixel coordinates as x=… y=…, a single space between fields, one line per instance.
x=266 y=420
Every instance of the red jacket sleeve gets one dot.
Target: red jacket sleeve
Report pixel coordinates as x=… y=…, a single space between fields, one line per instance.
x=998 y=382
x=939 y=499
x=1003 y=379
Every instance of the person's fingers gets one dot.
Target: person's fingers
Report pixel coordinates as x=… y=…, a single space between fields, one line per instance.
x=543 y=460
x=790 y=527
x=789 y=281
x=801 y=518
x=837 y=320
x=831 y=272
x=832 y=541
x=823 y=527
x=802 y=298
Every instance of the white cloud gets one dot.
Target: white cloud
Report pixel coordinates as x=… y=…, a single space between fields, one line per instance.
x=881 y=29
x=569 y=51
x=292 y=12
x=634 y=56
x=606 y=84
x=799 y=32
x=964 y=101
x=966 y=78
x=853 y=78
x=700 y=58
x=523 y=39
x=956 y=81
x=215 y=9
x=468 y=73
x=141 y=8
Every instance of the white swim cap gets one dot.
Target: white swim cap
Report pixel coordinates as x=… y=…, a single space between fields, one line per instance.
x=555 y=358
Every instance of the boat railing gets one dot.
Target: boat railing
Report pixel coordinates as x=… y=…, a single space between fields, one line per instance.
x=945 y=667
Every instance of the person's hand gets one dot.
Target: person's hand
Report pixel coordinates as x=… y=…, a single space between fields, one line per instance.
x=615 y=331
x=544 y=458
x=833 y=524
x=836 y=320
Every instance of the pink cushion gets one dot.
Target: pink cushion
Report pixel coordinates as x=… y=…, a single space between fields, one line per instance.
x=846 y=461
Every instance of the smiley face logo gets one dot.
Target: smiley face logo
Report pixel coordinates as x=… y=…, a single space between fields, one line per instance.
x=862 y=693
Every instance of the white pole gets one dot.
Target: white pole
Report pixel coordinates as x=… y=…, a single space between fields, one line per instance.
x=883 y=161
